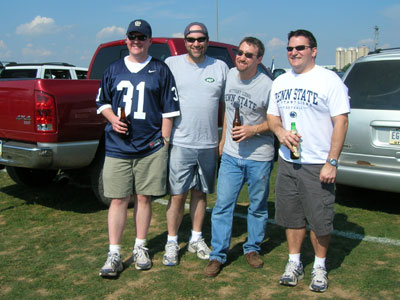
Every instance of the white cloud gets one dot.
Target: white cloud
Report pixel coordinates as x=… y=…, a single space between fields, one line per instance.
x=178 y=35
x=112 y=31
x=39 y=26
x=30 y=50
x=275 y=43
x=2 y=45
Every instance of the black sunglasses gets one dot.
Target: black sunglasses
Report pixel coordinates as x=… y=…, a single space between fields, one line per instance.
x=298 y=48
x=192 y=40
x=247 y=54
x=133 y=37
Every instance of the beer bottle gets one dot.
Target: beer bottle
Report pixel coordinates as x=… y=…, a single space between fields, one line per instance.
x=124 y=120
x=236 y=121
x=296 y=153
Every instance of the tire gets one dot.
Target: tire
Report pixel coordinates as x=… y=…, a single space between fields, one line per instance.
x=96 y=178
x=32 y=177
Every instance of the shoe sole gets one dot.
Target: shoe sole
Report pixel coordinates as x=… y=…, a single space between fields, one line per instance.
x=288 y=283
x=170 y=263
x=109 y=274
x=145 y=267
x=199 y=255
x=317 y=290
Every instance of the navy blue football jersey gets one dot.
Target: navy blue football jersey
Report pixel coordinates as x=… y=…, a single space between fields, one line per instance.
x=148 y=96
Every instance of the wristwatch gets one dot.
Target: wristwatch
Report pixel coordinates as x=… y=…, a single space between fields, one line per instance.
x=332 y=161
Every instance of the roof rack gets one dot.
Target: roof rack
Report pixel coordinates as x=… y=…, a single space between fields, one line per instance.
x=40 y=64
x=380 y=50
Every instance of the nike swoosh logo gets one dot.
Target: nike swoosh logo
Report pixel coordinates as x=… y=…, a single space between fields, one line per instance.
x=152 y=71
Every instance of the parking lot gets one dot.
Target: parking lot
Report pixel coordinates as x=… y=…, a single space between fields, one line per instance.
x=53 y=241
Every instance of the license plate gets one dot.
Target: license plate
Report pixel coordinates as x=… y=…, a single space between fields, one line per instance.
x=394 y=136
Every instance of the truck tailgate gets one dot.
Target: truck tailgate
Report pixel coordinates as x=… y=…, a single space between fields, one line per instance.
x=16 y=108
x=75 y=108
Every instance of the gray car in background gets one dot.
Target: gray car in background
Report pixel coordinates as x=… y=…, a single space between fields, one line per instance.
x=371 y=152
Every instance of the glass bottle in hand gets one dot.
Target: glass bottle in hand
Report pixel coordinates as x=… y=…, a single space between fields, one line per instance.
x=124 y=120
x=295 y=154
x=236 y=121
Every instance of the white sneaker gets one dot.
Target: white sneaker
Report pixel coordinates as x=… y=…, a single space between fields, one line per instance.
x=171 y=256
x=200 y=247
x=141 y=258
x=293 y=274
x=113 y=266
x=319 y=281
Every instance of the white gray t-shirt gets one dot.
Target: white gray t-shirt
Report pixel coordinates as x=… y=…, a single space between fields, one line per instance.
x=252 y=96
x=311 y=100
x=200 y=88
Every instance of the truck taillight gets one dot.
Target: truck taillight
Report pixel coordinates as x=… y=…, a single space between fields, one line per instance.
x=45 y=113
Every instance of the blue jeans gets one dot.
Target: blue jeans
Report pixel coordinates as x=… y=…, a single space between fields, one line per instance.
x=233 y=173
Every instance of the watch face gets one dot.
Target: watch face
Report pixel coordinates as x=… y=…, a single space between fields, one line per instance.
x=333 y=162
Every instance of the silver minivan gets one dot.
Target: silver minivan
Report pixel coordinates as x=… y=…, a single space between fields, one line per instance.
x=371 y=152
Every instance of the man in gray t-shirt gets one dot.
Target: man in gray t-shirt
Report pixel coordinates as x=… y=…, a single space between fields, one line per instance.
x=200 y=82
x=248 y=159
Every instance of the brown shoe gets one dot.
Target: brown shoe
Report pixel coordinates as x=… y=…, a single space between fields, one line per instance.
x=213 y=268
x=254 y=259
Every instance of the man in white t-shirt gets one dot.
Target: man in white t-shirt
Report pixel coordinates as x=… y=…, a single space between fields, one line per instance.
x=200 y=81
x=316 y=100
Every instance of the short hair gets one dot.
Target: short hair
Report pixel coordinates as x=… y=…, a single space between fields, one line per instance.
x=255 y=42
x=307 y=34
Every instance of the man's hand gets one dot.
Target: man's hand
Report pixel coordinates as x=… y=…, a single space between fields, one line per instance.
x=328 y=173
x=287 y=138
x=243 y=132
x=118 y=126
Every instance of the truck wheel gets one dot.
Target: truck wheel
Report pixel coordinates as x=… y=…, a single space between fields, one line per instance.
x=31 y=177
x=96 y=176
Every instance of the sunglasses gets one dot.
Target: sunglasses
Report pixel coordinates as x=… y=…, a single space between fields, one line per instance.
x=192 y=40
x=298 y=48
x=133 y=37
x=247 y=54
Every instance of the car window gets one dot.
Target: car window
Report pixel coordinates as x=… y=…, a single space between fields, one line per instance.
x=57 y=74
x=110 y=54
x=222 y=54
x=160 y=51
x=375 y=85
x=80 y=74
x=18 y=73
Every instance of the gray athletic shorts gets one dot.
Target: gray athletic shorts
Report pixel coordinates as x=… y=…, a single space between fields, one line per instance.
x=143 y=176
x=192 y=168
x=300 y=196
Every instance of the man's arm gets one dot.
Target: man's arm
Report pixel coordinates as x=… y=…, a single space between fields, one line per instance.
x=117 y=125
x=247 y=131
x=223 y=136
x=340 y=125
x=166 y=128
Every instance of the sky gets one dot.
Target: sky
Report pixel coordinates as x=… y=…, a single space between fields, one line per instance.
x=70 y=31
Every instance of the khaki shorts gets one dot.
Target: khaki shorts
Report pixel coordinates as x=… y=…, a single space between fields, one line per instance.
x=143 y=176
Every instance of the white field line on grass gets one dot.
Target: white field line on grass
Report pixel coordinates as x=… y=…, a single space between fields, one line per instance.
x=349 y=235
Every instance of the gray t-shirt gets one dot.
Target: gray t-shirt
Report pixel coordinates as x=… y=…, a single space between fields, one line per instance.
x=252 y=96
x=200 y=88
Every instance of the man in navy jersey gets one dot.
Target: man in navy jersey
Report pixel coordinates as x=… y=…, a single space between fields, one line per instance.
x=135 y=164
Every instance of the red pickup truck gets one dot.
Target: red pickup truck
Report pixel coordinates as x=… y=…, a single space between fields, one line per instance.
x=49 y=128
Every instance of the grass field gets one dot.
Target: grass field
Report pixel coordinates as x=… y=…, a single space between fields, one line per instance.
x=53 y=242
